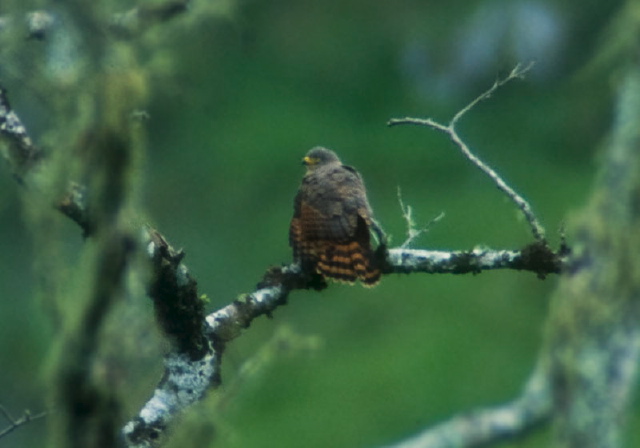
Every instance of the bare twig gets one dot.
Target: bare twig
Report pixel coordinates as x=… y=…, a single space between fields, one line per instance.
x=14 y=423
x=412 y=232
x=450 y=129
x=518 y=72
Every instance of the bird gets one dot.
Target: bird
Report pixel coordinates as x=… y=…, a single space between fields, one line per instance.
x=330 y=231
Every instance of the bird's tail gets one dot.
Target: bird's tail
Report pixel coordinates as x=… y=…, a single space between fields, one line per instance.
x=349 y=262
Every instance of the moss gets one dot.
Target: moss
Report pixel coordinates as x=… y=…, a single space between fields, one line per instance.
x=178 y=308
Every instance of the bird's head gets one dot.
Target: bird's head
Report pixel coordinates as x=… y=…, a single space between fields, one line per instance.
x=318 y=157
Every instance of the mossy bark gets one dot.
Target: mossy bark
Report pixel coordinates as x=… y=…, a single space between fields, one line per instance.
x=593 y=336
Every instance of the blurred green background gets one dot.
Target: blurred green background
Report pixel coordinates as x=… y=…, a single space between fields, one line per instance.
x=237 y=98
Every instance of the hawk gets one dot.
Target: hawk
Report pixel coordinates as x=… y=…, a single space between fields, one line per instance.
x=332 y=219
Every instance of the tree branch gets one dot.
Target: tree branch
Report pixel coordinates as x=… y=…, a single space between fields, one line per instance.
x=588 y=365
x=187 y=380
x=108 y=161
x=14 y=423
x=487 y=426
x=593 y=333
x=450 y=130
x=192 y=364
x=537 y=258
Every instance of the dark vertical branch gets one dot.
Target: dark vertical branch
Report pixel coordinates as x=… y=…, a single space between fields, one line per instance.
x=89 y=405
x=90 y=408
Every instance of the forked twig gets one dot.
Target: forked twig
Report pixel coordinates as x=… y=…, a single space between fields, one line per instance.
x=518 y=72
x=16 y=423
x=412 y=231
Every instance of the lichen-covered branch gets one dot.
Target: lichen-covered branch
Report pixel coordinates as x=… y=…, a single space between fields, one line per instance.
x=488 y=426
x=19 y=151
x=187 y=380
x=537 y=258
x=192 y=366
x=593 y=334
x=184 y=382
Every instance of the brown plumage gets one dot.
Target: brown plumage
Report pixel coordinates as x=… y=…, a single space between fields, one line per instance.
x=329 y=231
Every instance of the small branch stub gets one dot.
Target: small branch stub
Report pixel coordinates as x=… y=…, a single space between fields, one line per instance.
x=21 y=153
